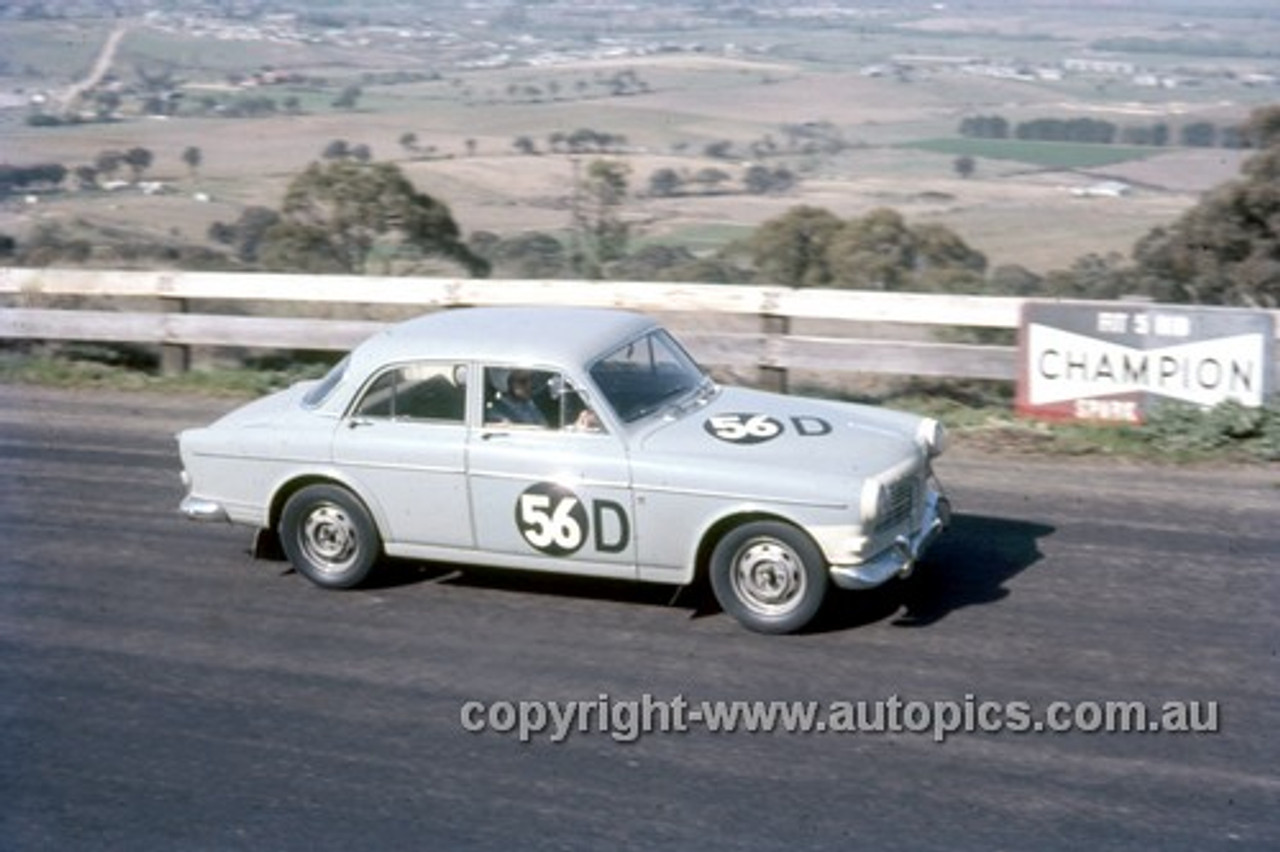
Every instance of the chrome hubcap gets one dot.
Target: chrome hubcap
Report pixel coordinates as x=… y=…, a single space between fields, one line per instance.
x=768 y=577
x=329 y=538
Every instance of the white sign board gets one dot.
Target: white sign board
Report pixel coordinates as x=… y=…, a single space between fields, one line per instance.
x=1113 y=361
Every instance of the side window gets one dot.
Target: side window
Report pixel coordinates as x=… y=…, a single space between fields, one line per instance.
x=435 y=392
x=536 y=398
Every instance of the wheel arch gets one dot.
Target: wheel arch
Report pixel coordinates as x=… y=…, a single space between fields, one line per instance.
x=294 y=484
x=725 y=524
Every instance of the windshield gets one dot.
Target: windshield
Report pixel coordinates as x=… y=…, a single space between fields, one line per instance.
x=319 y=392
x=640 y=377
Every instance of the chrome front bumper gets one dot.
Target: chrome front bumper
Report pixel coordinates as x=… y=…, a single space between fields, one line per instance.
x=899 y=559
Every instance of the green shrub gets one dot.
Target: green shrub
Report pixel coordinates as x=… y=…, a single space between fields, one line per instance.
x=1188 y=429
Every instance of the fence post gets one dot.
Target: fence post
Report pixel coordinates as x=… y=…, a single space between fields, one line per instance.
x=770 y=376
x=175 y=358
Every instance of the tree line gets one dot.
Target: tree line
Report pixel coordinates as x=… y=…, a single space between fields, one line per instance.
x=103 y=169
x=359 y=217
x=22 y=178
x=1196 y=134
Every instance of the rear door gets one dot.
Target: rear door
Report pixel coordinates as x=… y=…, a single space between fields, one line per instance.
x=404 y=445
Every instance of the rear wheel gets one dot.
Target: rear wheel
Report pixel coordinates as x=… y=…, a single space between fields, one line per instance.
x=769 y=575
x=329 y=537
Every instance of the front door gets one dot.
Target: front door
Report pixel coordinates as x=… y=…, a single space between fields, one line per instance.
x=550 y=487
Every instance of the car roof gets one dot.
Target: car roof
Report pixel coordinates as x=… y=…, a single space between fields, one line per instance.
x=560 y=336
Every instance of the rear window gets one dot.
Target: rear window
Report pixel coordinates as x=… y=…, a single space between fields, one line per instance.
x=417 y=392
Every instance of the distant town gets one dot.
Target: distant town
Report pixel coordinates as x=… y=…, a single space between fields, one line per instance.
x=492 y=34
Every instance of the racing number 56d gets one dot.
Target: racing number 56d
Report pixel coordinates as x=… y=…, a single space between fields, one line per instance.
x=744 y=428
x=555 y=521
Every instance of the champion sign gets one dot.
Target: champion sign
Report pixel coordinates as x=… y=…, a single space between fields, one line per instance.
x=1092 y=362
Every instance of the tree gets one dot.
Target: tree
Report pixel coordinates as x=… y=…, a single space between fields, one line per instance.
x=1200 y=134
x=193 y=157
x=965 y=166
x=585 y=139
x=19 y=178
x=106 y=103
x=791 y=250
x=49 y=245
x=155 y=105
x=984 y=127
x=721 y=150
x=247 y=233
x=876 y=252
x=530 y=255
x=654 y=262
x=347 y=216
x=711 y=179
x=943 y=262
x=1092 y=276
x=762 y=180
x=1226 y=249
x=1013 y=280
x=811 y=247
x=138 y=160
x=665 y=182
x=348 y=97
x=108 y=162
x=409 y=141
x=86 y=177
x=602 y=231
x=338 y=149
x=757 y=179
x=1263 y=127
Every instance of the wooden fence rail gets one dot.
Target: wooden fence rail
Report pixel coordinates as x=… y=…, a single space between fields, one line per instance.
x=773 y=346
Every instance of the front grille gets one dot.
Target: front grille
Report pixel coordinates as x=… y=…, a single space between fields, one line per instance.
x=902 y=503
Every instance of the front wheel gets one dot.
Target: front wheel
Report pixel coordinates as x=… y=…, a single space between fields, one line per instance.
x=328 y=536
x=770 y=576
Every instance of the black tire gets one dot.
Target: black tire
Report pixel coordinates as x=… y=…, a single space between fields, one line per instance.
x=770 y=576
x=329 y=537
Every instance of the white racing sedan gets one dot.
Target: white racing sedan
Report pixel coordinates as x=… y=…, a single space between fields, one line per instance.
x=574 y=440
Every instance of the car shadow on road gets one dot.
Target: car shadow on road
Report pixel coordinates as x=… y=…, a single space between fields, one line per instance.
x=970 y=565
x=564 y=585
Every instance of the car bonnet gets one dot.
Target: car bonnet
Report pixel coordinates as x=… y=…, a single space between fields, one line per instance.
x=753 y=427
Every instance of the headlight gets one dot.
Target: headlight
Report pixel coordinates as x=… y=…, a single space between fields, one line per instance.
x=932 y=436
x=874 y=502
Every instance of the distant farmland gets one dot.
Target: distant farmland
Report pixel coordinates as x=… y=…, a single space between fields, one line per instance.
x=1052 y=155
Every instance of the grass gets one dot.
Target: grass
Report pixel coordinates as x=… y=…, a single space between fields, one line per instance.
x=1055 y=155
x=1172 y=434
x=978 y=415
x=96 y=368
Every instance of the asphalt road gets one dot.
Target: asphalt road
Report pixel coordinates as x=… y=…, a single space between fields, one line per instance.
x=161 y=690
